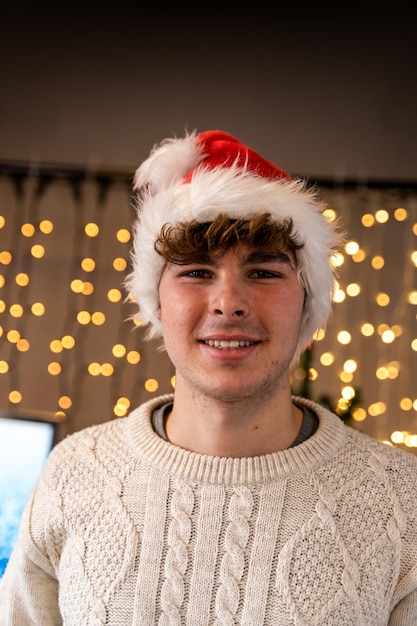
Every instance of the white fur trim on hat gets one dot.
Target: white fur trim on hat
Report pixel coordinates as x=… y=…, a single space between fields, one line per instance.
x=239 y=191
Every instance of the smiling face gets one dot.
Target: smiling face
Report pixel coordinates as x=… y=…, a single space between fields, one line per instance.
x=231 y=317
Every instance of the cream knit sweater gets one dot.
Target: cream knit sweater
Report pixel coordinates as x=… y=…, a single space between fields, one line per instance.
x=124 y=528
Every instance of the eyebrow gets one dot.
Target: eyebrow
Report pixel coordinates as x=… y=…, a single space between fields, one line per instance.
x=257 y=256
x=268 y=257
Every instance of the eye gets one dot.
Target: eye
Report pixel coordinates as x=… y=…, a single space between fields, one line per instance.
x=265 y=274
x=196 y=273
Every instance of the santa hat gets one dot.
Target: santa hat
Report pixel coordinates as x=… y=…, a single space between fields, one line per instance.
x=199 y=176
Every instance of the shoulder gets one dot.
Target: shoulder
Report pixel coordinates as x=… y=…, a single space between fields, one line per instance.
x=106 y=443
x=361 y=458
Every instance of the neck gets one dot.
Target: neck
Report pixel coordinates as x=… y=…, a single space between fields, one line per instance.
x=241 y=428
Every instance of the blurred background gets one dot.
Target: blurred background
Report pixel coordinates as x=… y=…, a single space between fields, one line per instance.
x=85 y=94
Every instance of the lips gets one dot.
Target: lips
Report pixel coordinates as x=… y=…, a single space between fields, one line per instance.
x=224 y=344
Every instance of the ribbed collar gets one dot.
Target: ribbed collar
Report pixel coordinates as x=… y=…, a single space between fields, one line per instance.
x=148 y=446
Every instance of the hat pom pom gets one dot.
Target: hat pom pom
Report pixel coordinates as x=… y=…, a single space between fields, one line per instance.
x=168 y=163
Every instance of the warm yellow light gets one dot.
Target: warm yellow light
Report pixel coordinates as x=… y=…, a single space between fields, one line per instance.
x=411 y=441
x=114 y=295
x=339 y=296
x=77 y=285
x=337 y=259
x=23 y=345
x=22 y=279
x=68 y=342
x=119 y=350
x=2 y=221
x=13 y=336
x=400 y=214
x=382 y=216
x=88 y=288
x=94 y=369
x=344 y=337
x=5 y=257
x=119 y=264
x=119 y=410
x=377 y=262
x=359 y=256
x=346 y=377
x=91 y=229
x=413 y=257
x=54 y=368
x=367 y=220
x=37 y=251
x=151 y=385
x=4 y=367
x=348 y=392
x=46 y=227
x=27 y=230
x=312 y=373
x=382 y=373
x=327 y=358
x=352 y=247
x=15 y=397
x=133 y=357
x=412 y=297
x=38 y=309
x=172 y=381
x=98 y=318
x=88 y=265
x=388 y=336
x=121 y=407
x=377 y=408
x=397 y=437
x=342 y=405
x=83 y=317
x=56 y=346
x=350 y=365
x=2 y=281
x=414 y=345
x=106 y=369
x=320 y=334
x=65 y=402
x=123 y=235
x=16 y=310
x=353 y=290
x=382 y=299
x=393 y=371
x=406 y=404
x=359 y=414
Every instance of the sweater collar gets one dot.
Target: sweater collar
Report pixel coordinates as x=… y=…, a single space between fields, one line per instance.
x=316 y=450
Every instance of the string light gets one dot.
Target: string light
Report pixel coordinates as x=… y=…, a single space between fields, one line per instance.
x=66 y=326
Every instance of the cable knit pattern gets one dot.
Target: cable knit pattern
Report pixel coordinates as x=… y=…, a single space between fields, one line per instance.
x=124 y=528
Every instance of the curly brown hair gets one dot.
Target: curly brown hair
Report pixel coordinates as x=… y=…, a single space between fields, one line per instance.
x=186 y=242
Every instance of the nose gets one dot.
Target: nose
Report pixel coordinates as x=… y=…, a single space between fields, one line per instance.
x=229 y=299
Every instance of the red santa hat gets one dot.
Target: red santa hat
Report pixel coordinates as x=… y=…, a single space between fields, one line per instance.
x=199 y=176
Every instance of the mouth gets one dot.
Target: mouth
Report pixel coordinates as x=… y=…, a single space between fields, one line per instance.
x=224 y=344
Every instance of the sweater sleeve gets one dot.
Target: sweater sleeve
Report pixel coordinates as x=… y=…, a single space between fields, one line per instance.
x=405 y=613
x=29 y=588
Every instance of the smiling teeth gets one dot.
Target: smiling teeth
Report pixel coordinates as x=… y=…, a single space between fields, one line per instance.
x=229 y=345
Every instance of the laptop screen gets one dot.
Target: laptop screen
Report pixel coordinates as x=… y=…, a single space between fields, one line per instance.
x=25 y=443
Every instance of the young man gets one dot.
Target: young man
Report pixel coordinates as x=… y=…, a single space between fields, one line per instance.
x=229 y=501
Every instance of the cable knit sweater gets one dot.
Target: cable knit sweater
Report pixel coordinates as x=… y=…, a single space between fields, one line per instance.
x=125 y=528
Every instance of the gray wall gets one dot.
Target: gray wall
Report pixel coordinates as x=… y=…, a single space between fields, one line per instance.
x=328 y=95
